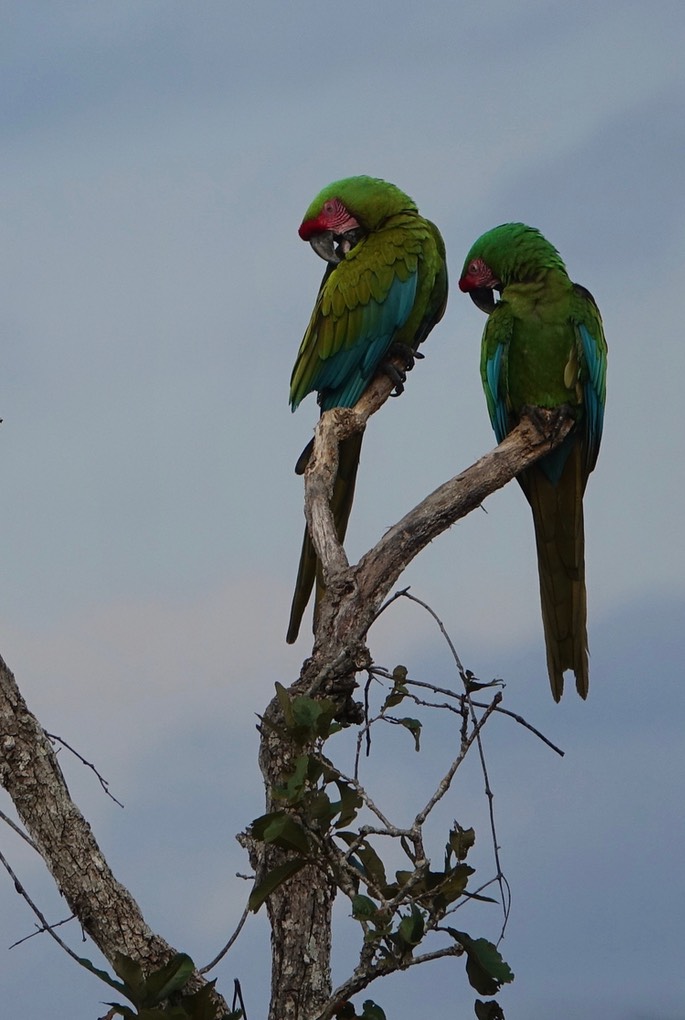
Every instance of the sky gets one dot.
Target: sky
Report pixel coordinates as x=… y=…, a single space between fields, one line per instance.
x=157 y=160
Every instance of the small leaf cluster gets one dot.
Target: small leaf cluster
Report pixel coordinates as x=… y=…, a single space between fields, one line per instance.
x=370 y=1011
x=395 y=697
x=314 y=824
x=486 y=971
x=316 y=798
x=158 y=995
x=425 y=897
x=415 y=902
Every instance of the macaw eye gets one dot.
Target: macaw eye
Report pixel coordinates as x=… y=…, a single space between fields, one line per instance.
x=329 y=207
x=474 y=266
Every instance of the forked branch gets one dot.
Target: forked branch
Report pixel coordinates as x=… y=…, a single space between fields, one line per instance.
x=355 y=593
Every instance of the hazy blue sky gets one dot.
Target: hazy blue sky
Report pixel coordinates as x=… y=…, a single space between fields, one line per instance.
x=157 y=160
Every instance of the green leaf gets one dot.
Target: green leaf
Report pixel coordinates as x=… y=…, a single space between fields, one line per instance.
x=414 y=727
x=306 y=712
x=404 y=876
x=461 y=841
x=281 y=829
x=348 y=837
x=370 y=1011
x=131 y=973
x=285 y=705
x=473 y=684
x=201 y=1006
x=317 y=769
x=104 y=976
x=455 y=883
x=349 y=804
x=312 y=717
x=295 y=785
x=400 y=674
x=485 y=968
x=320 y=809
x=288 y=834
x=168 y=979
x=395 y=697
x=488 y=1010
x=325 y=725
x=345 y=1011
x=272 y=881
x=372 y=865
x=124 y=1011
x=412 y=928
x=363 y=908
x=480 y=897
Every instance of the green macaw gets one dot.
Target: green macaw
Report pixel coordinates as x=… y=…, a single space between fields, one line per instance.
x=384 y=289
x=544 y=346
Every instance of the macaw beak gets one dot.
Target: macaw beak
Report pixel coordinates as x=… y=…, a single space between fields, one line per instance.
x=332 y=247
x=323 y=244
x=483 y=298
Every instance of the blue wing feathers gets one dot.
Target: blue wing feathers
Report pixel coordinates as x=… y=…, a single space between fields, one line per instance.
x=594 y=390
x=342 y=378
x=496 y=404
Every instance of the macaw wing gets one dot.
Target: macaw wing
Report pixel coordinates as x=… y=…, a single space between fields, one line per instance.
x=434 y=285
x=592 y=356
x=493 y=368
x=361 y=305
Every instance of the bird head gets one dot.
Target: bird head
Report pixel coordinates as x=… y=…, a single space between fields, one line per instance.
x=346 y=211
x=510 y=253
x=333 y=231
x=479 y=281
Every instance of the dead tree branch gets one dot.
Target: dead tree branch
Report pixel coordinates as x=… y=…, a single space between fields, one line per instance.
x=300 y=912
x=354 y=594
x=31 y=774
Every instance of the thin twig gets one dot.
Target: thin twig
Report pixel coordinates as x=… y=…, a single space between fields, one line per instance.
x=449 y=775
x=220 y=955
x=367 y=727
x=458 y=696
x=238 y=998
x=365 y=975
x=46 y=925
x=448 y=639
x=437 y=954
x=19 y=832
x=504 y=887
x=103 y=782
x=387 y=675
x=39 y=931
x=519 y=719
x=389 y=601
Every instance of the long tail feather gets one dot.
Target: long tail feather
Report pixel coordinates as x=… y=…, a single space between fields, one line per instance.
x=559 y=537
x=341 y=505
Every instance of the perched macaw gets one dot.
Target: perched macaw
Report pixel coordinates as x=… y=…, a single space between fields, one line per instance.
x=384 y=289
x=544 y=346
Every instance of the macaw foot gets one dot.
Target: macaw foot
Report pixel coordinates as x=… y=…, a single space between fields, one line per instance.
x=399 y=375
x=549 y=420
